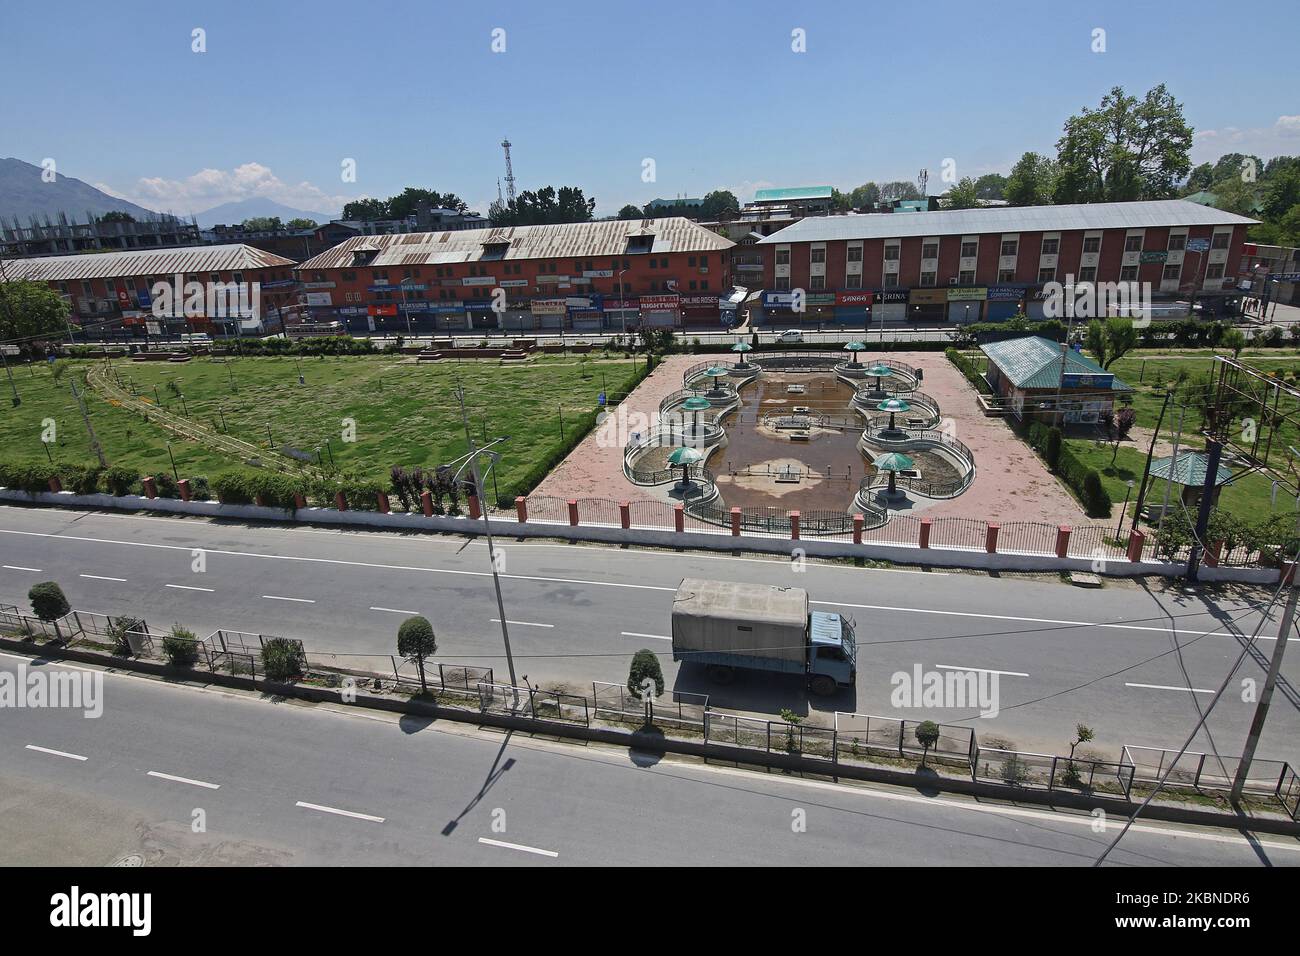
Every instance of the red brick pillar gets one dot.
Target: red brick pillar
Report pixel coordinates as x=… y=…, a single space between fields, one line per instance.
x=382 y=498
x=426 y=504
x=1288 y=572
x=1213 y=553
x=735 y=522
x=991 y=538
x=475 y=512
x=183 y=486
x=521 y=509
x=573 y=512
x=679 y=518
x=625 y=514
x=794 y=526
x=299 y=501
x=150 y=487
x=1136 y=540
x=55 y=485
x=925 y=532
x=1063 y=533
x=341 y=501
x=858 y=522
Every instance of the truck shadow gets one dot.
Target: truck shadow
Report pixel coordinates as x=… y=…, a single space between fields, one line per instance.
x=765 y=693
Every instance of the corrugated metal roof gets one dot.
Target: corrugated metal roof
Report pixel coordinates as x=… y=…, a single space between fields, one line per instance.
x=567 y=241
x=1035 y=362
x=144 y=262
x=792 y=192
x=948 y=222
x=1189 y=469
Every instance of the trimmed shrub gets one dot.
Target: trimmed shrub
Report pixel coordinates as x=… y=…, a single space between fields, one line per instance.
x=120 y=481
x=28 y=476
x=1085 y=482
x=1052 y=447
x=117 y=630
x=645 y=666
x=48 y=601
x=282 y=658
x=181 y=646
x=968 y=369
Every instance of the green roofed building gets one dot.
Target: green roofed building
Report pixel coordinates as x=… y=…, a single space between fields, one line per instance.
x=1027 y=374
x=793 y=201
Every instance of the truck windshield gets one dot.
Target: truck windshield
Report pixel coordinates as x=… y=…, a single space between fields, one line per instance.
x=850 y=640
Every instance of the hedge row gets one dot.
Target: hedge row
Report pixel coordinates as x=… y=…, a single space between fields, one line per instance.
x=244 y=487
x=967 y=368
x=1085 y=482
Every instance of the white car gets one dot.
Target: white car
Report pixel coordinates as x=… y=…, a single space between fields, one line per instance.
x=790 y=335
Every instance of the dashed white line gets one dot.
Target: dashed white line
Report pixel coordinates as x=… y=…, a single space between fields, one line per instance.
x=1185 y=690
x=518 y=846
x=189 y=587
x=341 y=813
x=657 y=637
x=980 y=670
x=175 y=779
x=276 y=597
x=100 y=577
x=394 y=610
x=55 y=753
x=497 y=620
x=17 y=567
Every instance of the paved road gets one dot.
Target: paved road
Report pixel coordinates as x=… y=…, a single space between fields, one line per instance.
x=283 y=783
x=1136 y=662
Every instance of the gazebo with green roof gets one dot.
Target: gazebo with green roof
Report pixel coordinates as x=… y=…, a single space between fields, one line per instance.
x=1189 y=470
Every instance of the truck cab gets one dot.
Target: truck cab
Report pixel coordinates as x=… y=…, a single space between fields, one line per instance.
x=833 y=653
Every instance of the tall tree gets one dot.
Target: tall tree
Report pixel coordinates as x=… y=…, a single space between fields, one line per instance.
x=262 y=224
x=720 y=204
x=964 y=195
x=544 y=206
x=1237 y=165
x=990 y=186
x=630 y=212
x=1282 y=192
x=899 y=189
x=1126 y=149
x=868 y=194
x=365 y=210
x=31 y=310
x=1032 y=181
x=301 y=223
x=1202 y=177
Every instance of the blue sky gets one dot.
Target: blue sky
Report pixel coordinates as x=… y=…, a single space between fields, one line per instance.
x=712 y=92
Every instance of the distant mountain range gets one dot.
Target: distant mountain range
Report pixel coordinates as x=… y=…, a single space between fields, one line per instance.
x=24 y=194
x=233 y=213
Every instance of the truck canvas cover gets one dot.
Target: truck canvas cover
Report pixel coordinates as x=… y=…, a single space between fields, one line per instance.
x=751 y=620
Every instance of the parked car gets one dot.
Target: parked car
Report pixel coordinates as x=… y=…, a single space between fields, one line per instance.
x=790 y=335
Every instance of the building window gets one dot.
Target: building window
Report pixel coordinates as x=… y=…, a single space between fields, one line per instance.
x=1050 y=247
x=1171 y=273
x=927 y=278
x=1006 y=275
x=891 y=279
x=1046 y=275
x=782 y=283
x=653 y=264
x=1088 y=274
x=969 y=249
x=692 y=285
x=663 y=263
x=691 y=262
x=1132 y=243
x=966 y=277
x=855 y=254
x=1010 y=246
x=818 y=255
x=783 y=257
x=1214 y=270
x=816 y=282
x=352 y=276
x=1220 y=240
x=704 y=285
x=930 y=250
x=1177 y=242
x=853 y=281
x=1092 y=244
x=891 y=253
x=1128 y=274
x=704 y=261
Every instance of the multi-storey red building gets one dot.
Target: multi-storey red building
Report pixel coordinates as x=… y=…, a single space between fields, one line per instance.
x=990 y=263
x=111 y=294
x=593 y=275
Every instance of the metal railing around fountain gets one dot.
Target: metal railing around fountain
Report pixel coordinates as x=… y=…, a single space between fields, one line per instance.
x=788 y=420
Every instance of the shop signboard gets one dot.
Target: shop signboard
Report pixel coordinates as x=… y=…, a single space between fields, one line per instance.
x=659 y=303
x=547 y=306
x=1159 y=255
x=853 y=298
x=928 y=296
x=967 y=294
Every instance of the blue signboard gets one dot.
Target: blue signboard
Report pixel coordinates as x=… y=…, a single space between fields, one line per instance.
x=1006 y=293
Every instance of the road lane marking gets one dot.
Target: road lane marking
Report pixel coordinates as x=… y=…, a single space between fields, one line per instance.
x=608 y=584
x=394 y=610
x=276 y=597
x=979 y=670
x=193 y=783
x=342 y=813
x=497 y=620
x=100 y=577
x=1186 y=690
x=189 y=587
x=518 y=846
x=657 y=637
x=15 y=567
x=56 y=753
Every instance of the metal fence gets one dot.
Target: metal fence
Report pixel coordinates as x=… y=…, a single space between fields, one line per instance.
x=861 y=734
x=1200 y=771
x=534 y=703
x=680 y=709
x=770 y=736
x=1016 y=768
x=959 y=533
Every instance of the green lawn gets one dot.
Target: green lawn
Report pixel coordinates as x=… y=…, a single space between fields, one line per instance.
x=404 y=413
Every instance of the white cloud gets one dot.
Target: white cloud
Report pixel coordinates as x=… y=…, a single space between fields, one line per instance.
x=1287 y=126
x=1265 y=142
x=212 y=187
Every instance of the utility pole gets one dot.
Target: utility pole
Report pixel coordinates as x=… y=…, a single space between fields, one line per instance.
x=90 y=430
x=1266 y=695
x=1146 y=472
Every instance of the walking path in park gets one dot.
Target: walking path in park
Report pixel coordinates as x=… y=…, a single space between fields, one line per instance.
x=1011 y=482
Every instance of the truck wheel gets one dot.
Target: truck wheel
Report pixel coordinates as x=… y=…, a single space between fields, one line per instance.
x=823 y=686
x=720 y=674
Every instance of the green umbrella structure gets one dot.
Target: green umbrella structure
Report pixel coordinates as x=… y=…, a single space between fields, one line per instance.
x=695 y=404
x=893 y=405
x=1189 y=469
x=878 y=372
x=854 y=348
x=892 y=462
x=716 y=372
x=742 y=348
x=683 y=458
